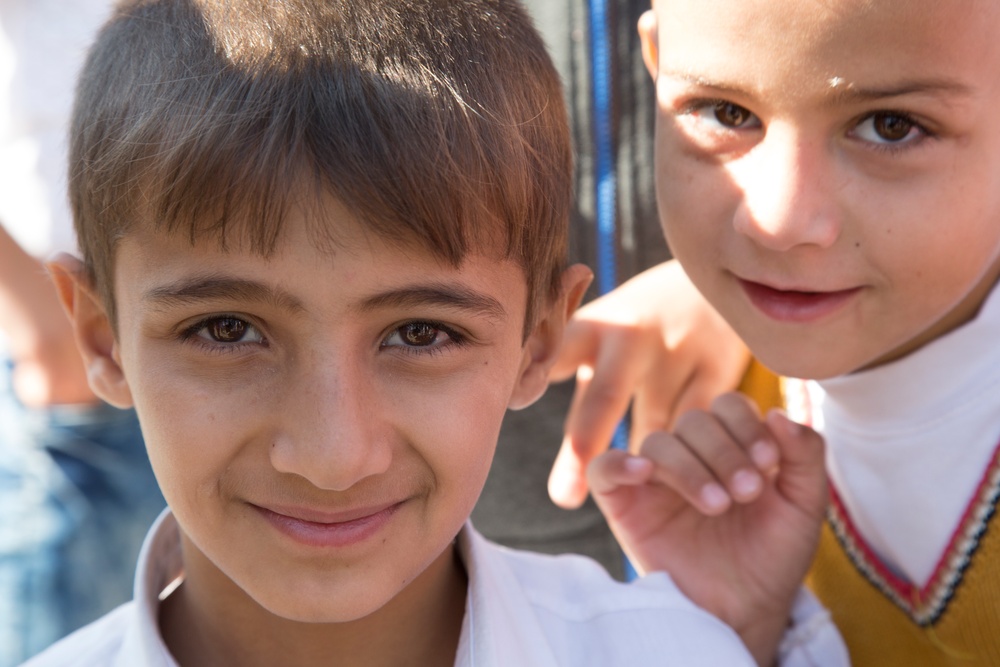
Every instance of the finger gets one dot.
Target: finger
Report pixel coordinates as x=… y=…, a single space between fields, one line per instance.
x=803 y=472
x=705 y=385
x=655 y=398
x=579 y=345
x=680 y=469
x=741 y=417
x=600 y=401
x=567 y=483
x=567 y=480
x=603 y=394
x=705 y=435
x=617 y=479
x=614 y=469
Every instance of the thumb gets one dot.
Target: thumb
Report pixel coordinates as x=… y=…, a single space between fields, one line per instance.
x=802 y=477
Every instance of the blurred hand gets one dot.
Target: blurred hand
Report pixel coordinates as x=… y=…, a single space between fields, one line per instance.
x=655 y=343
x=48 y=368
x=730 y=505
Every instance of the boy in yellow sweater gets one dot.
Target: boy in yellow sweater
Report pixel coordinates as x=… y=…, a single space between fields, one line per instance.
x=829 y=177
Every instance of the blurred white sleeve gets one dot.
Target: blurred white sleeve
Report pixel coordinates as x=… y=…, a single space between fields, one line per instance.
x=42 y=46
x=812 y=640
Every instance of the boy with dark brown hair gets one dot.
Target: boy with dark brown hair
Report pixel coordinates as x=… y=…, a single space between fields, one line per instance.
x=323 y=254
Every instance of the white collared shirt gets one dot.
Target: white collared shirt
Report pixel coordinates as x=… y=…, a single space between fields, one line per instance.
x=523 y=609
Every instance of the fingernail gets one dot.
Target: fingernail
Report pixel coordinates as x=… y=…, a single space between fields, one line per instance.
x=745 y=484
x=764 y=454
x=714 y=497
x=636 y=464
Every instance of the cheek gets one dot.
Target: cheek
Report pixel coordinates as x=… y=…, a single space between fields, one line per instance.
x=695 y=215
x=454 y=421
x=696 y=196
x=453 y=411
x=935 y=241
x=193 y=428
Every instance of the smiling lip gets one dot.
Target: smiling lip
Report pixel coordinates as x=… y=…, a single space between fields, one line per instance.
x=794 y=305
x=328 y=529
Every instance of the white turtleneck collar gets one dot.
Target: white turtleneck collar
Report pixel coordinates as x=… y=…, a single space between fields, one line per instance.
x=909 y=442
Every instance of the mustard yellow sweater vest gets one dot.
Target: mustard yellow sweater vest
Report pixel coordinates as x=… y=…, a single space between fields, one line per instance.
x=954 y=621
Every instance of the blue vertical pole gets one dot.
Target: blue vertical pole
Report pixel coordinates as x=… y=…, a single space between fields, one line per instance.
x=606 y=177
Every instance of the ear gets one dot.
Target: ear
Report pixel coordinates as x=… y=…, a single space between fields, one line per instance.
x=92 y=330
x=648 y=39
x=542 y=347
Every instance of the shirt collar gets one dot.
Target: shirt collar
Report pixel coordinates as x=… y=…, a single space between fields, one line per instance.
x=159 y=567
x=499 y=628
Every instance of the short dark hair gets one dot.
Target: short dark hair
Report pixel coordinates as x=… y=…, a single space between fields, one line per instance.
x=436 y=121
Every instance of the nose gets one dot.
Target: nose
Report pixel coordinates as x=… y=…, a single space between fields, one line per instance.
x=789 y=193
x=332 y=430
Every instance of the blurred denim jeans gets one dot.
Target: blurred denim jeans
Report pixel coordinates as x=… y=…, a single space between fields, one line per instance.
x=77 y=495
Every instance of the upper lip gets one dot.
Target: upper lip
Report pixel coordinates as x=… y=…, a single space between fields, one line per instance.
x=314 y=514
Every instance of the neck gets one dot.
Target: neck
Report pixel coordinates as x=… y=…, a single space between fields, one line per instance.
x=219 y=623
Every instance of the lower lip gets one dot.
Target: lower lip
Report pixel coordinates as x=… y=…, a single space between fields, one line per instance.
x=787 y=306
x=330 y=535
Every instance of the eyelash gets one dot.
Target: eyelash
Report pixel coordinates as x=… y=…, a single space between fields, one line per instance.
x=456 y=339
x=894 y=148
x=190 y=335
x=692 y=107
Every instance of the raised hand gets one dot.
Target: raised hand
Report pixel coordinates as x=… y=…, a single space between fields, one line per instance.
x=653 y=342
x=730 y=505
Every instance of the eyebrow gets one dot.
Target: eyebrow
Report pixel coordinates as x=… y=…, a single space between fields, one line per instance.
x=449 y=296
x=208 y=288
x=219 y=288
x=850 y=93
x=846 y=92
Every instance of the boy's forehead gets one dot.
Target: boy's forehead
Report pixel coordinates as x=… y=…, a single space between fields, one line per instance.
x=316 y=222
x=832 y=33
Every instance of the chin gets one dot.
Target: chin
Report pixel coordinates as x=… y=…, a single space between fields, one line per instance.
x=809 y=365
x=323 y=607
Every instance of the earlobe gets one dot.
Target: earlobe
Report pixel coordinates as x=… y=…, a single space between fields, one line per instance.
x=542 y=347
x=648 y=39
x=92 y=330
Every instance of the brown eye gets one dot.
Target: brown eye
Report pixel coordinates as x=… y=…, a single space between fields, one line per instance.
x=227 y=329
x=422 y=338
x=731 y=115
x=419 y=334
x=891 y=127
